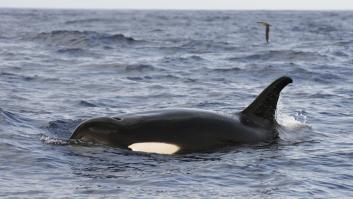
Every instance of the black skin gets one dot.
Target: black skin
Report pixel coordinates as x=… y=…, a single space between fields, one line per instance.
x=190 y=129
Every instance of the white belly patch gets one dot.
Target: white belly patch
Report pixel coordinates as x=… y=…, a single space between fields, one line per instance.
x=155 y=147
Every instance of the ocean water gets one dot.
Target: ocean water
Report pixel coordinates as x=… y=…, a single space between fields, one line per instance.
x=59 y=67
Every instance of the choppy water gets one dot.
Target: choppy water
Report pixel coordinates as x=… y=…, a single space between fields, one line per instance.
x=60 y=67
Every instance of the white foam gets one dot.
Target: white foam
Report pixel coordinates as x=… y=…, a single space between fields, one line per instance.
x=155 y=147
x=292 y=122
x=55 y=141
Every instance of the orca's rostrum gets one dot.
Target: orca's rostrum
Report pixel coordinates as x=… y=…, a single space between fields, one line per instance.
x=170 y=131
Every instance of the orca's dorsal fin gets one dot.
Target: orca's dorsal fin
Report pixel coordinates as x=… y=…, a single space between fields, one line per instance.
x=265 y=104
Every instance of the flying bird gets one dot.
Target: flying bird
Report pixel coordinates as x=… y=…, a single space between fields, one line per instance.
x=267 y=25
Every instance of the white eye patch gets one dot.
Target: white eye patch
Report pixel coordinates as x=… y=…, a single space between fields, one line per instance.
x=155 y=147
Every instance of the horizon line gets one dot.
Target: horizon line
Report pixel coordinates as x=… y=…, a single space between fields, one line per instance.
x=166 y=9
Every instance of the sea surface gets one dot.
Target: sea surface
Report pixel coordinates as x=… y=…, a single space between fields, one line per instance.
x=60 y=67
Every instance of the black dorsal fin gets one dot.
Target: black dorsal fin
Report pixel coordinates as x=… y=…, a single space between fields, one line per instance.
x=265 y=104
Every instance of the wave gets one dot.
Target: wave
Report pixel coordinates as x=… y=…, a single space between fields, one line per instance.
x=138 y=67
x=90 y=20
x=26 y=78
x=71 y=51
x=319 y=75
x=280 y=55
x=183 y=59
x=226 y=70
x=9 y=117
x=74 y=39
x=322 y=28
x=166 y=77
x=217 y=18
x=129 y=68
x=204 y=46
x=344 y=43
x=62 y=128
x=77 y=52
x=314 y=28
x=322 y=95
x=87 y=104
x=13 y=119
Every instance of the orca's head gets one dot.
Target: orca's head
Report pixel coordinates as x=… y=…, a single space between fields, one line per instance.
x=99 y=130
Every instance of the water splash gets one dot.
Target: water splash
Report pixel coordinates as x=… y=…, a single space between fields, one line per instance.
x=54 y=141
x=62 y=142
x=293 y=122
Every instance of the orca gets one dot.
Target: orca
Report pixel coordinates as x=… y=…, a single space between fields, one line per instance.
x=173 y=131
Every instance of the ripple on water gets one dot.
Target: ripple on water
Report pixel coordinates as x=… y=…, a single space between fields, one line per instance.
x=76 y=39
x=62 y=66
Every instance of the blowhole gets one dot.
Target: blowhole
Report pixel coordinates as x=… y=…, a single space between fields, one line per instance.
x=117 y=118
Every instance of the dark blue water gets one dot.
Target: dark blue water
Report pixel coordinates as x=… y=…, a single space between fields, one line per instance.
x=60 y=67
